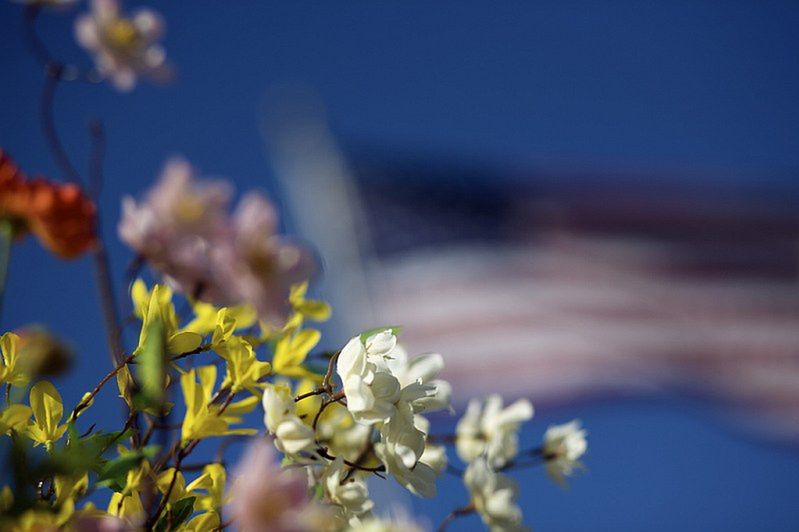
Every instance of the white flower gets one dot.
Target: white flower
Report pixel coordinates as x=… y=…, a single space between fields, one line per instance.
x=123 y=47
x=434 y=455
x=487 y=428
x=377 y=378
x=494 y=497
x=291 y=434
x=371 y=389
x=400 y=448
x=351 y=494
x=563 y=446
x=422 y=369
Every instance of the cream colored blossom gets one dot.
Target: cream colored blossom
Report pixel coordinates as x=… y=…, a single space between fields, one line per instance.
x=488 y=428
x=351 y=494
x=494 y=497
x=563 y=446
x=291 y=434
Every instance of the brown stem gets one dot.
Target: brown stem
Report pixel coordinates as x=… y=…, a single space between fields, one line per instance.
x=165 y=498
x=316 y=391
x=331 y=365
x=200 y=349
x=459 y=512
x=359 y=460
x=85 y=402
x=334 y=399
x=321 y=451
x=53 y=74
x=227 y=402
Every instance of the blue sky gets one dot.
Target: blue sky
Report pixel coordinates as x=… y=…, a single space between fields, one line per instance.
x=669 y=84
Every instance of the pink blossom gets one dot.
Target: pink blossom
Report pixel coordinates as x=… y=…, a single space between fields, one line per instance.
x=265 y=497
x=265 y=264
x=177 y=226
x=123 y=47
x=185 y=232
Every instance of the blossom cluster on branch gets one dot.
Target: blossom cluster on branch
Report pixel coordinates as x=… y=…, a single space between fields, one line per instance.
x=227 y=337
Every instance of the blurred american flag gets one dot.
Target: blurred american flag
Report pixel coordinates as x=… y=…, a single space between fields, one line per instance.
x=561 y=286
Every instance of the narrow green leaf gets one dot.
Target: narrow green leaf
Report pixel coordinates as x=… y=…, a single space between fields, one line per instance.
x=151 y=367
x=175 y=517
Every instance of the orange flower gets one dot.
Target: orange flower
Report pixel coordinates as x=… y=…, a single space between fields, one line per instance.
x=59 y=214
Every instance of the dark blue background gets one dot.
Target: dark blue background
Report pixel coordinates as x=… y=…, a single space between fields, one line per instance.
x=709 y=86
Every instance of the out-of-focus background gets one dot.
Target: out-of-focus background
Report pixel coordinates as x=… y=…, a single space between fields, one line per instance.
x=593 y=205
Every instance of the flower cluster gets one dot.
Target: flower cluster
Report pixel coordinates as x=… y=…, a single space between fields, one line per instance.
x=184 y=230
x=59 y=214
x=242 y=337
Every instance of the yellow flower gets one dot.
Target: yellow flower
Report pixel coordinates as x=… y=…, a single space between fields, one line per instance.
x=244 y=371
x=206 y=317
x=205 y=522
x=15 y=417
x=311 y=309
x=204 y=419
x=212 y=481
x=48 y=409
x=70 y=487
x=157 y=304
x=12 y=371
x=126 y=506
x=291 y=351
x=179 y=490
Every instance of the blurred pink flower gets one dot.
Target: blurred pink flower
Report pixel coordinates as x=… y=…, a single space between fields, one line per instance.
x=265 y=497
x=123 y=47
x=265 y=264
x=184 y=230
x=176 y=226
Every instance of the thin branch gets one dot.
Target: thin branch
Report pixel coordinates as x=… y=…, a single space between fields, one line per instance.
x=327 y=382
x=53 y=74
x=364 y=454
x=316 y=391
x=165 y=498
x=459 y=512
x=322 y=451
x=85 y=402
x=40 y=52
x=334 y=399
x=227 y=402
x=200 y=349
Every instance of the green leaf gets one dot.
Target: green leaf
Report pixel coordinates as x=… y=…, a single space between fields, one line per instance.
x=319 y=491
x=179 y=513
x=80 y=454
x=151 y=367
x=395 y=330
x=113 y=473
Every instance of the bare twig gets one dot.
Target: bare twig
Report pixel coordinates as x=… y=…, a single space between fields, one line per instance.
x=200 y=349
x=322 y=451
x=334 y=399
x=459 y=512
x=53 y=74
x=85 y=402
